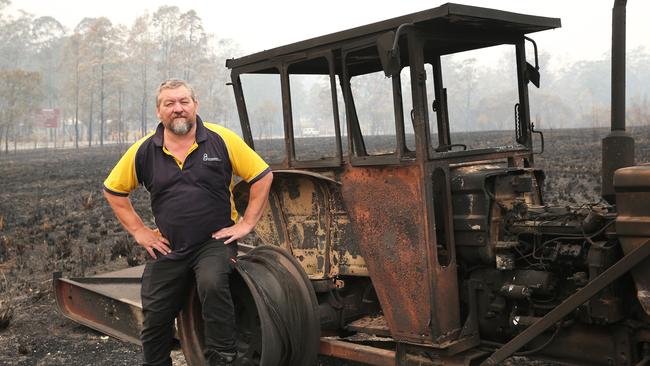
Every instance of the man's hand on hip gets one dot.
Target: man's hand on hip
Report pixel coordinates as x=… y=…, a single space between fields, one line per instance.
x=152 y=241
x=239 y=230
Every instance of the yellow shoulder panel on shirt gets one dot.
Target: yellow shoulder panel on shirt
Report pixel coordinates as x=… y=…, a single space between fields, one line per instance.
x=245 y=162
x=123 y=179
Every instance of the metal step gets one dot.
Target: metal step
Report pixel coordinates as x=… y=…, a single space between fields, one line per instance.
x=370 y=324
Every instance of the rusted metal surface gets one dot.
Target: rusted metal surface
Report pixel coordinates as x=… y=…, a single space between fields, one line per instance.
x=633 y=221
x=109 y=303
x=444 y=303
x=356 y=352
x=385 y=207
x=417 y=355
x=406 y=355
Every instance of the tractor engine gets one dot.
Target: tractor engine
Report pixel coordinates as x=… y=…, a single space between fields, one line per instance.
x=519 y=258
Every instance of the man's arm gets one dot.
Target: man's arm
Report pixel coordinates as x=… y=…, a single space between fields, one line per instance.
x=147 y=238
x=259 y=194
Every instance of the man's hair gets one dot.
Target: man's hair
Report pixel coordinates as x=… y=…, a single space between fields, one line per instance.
x=173 y=84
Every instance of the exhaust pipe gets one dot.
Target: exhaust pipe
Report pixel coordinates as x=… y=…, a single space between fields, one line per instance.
x=618 y=146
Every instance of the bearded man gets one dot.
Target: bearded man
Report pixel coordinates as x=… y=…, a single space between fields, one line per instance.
x=188 y=167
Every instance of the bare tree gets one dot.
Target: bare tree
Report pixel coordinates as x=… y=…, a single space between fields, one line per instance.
x=166 y=23
x=211 y=83
x=85 y=73
x=99 y=43
x=117 y=76
x=194 y=42
x=47 y=39
x=72 y=67
x=16 y=40
x=140 y=48
x=20 y=95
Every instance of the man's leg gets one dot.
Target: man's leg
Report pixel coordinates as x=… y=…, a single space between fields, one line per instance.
x=164 y=289
x=212 y=268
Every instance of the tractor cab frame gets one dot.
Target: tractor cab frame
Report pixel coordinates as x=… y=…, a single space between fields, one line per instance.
x=416 y=43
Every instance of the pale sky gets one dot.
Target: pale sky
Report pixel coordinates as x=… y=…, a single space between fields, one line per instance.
x=261 y=24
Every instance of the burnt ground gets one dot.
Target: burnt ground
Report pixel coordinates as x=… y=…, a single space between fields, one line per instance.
x=53 y=218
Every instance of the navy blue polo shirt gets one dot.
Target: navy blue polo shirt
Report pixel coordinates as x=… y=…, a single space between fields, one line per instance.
x=192 y=199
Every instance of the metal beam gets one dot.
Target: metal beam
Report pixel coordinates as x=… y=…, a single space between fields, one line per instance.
x=357 y=352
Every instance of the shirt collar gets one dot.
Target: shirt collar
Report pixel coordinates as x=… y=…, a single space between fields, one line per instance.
x=201 y=135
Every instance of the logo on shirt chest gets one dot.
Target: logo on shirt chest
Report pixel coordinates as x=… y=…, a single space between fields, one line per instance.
x=207 y=158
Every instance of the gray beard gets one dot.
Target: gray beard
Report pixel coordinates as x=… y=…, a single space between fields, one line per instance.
x=180 y=127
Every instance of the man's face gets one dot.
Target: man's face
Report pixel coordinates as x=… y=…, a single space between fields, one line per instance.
x=176 y=110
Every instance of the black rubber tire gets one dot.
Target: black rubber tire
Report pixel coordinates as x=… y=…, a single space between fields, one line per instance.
x=276 y=310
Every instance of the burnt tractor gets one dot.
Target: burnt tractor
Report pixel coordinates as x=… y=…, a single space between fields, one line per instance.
x=394 y=237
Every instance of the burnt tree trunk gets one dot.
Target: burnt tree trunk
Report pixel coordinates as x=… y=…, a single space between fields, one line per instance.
x=101 y=106
x=90 y=120
x=7 y=139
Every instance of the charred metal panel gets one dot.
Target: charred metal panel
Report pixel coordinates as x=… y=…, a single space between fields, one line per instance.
x=633 y=221
x=385 y=206
x=479 y=193
x=271 y=227
x=305 y=215
x=304 y=208
x=345 y=255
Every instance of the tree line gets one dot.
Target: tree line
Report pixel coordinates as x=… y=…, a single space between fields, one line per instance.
x=102 y=76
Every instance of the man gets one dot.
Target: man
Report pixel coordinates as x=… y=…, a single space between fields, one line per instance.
x=188 y=168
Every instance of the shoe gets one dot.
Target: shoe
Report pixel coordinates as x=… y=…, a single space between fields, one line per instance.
x=216 y=358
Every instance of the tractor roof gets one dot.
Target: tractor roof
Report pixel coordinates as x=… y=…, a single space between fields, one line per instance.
x=447 y=19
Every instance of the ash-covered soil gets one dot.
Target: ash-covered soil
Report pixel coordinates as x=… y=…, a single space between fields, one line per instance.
x=53 y=218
